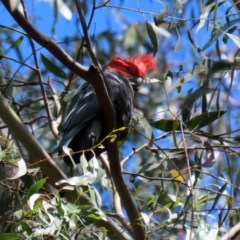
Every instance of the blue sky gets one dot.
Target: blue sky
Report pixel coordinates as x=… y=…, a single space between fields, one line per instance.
x=103 y=18
x=110 y=18
x=41 y=15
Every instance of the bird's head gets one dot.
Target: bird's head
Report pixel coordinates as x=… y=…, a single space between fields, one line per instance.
x=134 y=68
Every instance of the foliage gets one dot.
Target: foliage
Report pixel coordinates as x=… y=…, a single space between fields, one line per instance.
x=180 y=160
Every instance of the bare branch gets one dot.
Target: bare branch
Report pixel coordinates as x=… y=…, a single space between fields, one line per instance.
x=232 y=232
x=33 y=148
x=113 y=154
x=92 y=76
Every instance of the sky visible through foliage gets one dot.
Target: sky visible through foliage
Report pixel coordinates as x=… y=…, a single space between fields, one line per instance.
x=201 y=37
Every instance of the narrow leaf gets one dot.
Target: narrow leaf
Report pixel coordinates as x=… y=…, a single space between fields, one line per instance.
x=220 y=193
x=159 y=18
x=217 y=32
x=189 y=102
x=69 y=153
x=167 y=125
x=9 y=236
x=204 y=16
x=234 y=38
x=230 y=31
x=52 y=67
x=17 y=42
x=35 y=187
x=153 y=37
x=203 y=119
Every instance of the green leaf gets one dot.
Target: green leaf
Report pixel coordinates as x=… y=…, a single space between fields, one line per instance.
x=9 y=236
x=217 y=32
x=17 y=42
x=234 y=38
x=35 y=187
x=167 y=24
x=149 y=167
x=167 y=125
x=52 y=67
x=189 y=102
x=204 y=16
x=159 y=18
x=94 y=216
x=220 y=194
x=226 y=37
x=153 y=37
x=204 y=119
x=141 y=123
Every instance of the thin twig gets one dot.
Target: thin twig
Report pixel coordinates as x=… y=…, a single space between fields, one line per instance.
x=39 y=74
x=19 y=62
x=82 y=45
x=57 y=122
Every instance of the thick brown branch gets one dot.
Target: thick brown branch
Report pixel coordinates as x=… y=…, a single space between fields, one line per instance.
x=33 y=148
x=91 y=75
x=112 y=150
x=47 y=43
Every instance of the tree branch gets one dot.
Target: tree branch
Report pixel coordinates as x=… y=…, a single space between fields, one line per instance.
x=92 y=76
x=112 y=150
x=232 y=232
x=33 y=148
x=48 y=167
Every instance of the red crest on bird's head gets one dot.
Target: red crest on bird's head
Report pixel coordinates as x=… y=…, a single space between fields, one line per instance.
x=132 y=66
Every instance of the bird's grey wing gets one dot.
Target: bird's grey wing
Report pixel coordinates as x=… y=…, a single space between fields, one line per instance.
x=83 y=107
x=122 y=96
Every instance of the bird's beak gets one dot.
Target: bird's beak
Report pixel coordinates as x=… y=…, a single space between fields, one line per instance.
x=152 y=80
x=136 y=82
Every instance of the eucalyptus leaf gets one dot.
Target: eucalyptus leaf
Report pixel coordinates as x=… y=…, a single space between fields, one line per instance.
x=35 y=187
x=167 y=125
x=9 y=236
x=51 y=67
x=204 y=119
x=17 y=42
x=153 y=37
